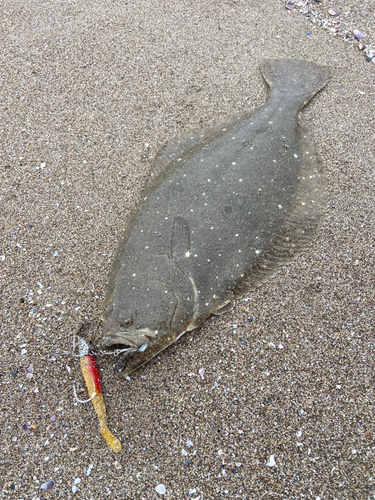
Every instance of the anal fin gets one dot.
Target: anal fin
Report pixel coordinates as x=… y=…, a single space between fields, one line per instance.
x=301 y=226
x=223 y=310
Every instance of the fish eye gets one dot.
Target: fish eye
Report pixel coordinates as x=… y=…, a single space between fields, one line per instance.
x=125 y=322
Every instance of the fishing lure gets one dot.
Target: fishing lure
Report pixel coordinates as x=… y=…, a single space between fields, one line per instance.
x=91 y=375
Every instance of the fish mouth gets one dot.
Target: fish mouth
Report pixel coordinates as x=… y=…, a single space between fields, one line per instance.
x=128 y=344
x=134 y=339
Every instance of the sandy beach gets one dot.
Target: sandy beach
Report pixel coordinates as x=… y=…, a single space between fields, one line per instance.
x=89 y=94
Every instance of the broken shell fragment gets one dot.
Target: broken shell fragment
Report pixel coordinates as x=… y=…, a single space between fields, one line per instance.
x=358 y=34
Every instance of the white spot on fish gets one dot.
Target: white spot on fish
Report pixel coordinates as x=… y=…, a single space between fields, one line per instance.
x=280 y=207
x=233 y=163
x=295 y=156
x=257 y=252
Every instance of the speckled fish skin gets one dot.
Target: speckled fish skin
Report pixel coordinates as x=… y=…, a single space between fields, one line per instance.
x=207 y=219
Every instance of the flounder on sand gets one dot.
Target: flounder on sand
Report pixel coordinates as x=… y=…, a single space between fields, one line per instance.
x=223 y=211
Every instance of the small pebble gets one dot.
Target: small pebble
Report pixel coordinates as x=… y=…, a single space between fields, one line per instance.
x=77 y=481
x=201 y=373
x=243 y=341
x=74 y=489
x=358 y=34
x=187 y=463
x=271 y=461
x=48 y=485
x=309 y=33
x=189 y=444
x=160 y=488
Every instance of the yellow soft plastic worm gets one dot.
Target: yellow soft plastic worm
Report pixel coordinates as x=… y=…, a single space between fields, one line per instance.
x=91 y=376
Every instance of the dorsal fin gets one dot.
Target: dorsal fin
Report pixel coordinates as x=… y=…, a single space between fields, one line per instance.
x=301 y=226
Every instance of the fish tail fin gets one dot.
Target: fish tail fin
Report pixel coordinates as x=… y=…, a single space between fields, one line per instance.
x=298 y=76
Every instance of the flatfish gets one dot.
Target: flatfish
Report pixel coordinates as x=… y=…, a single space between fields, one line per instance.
x=224 y=210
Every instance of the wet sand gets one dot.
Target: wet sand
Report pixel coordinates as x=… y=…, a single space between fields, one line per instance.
x=90 y=92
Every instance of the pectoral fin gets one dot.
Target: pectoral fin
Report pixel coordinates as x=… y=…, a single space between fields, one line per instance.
x=180 y=242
